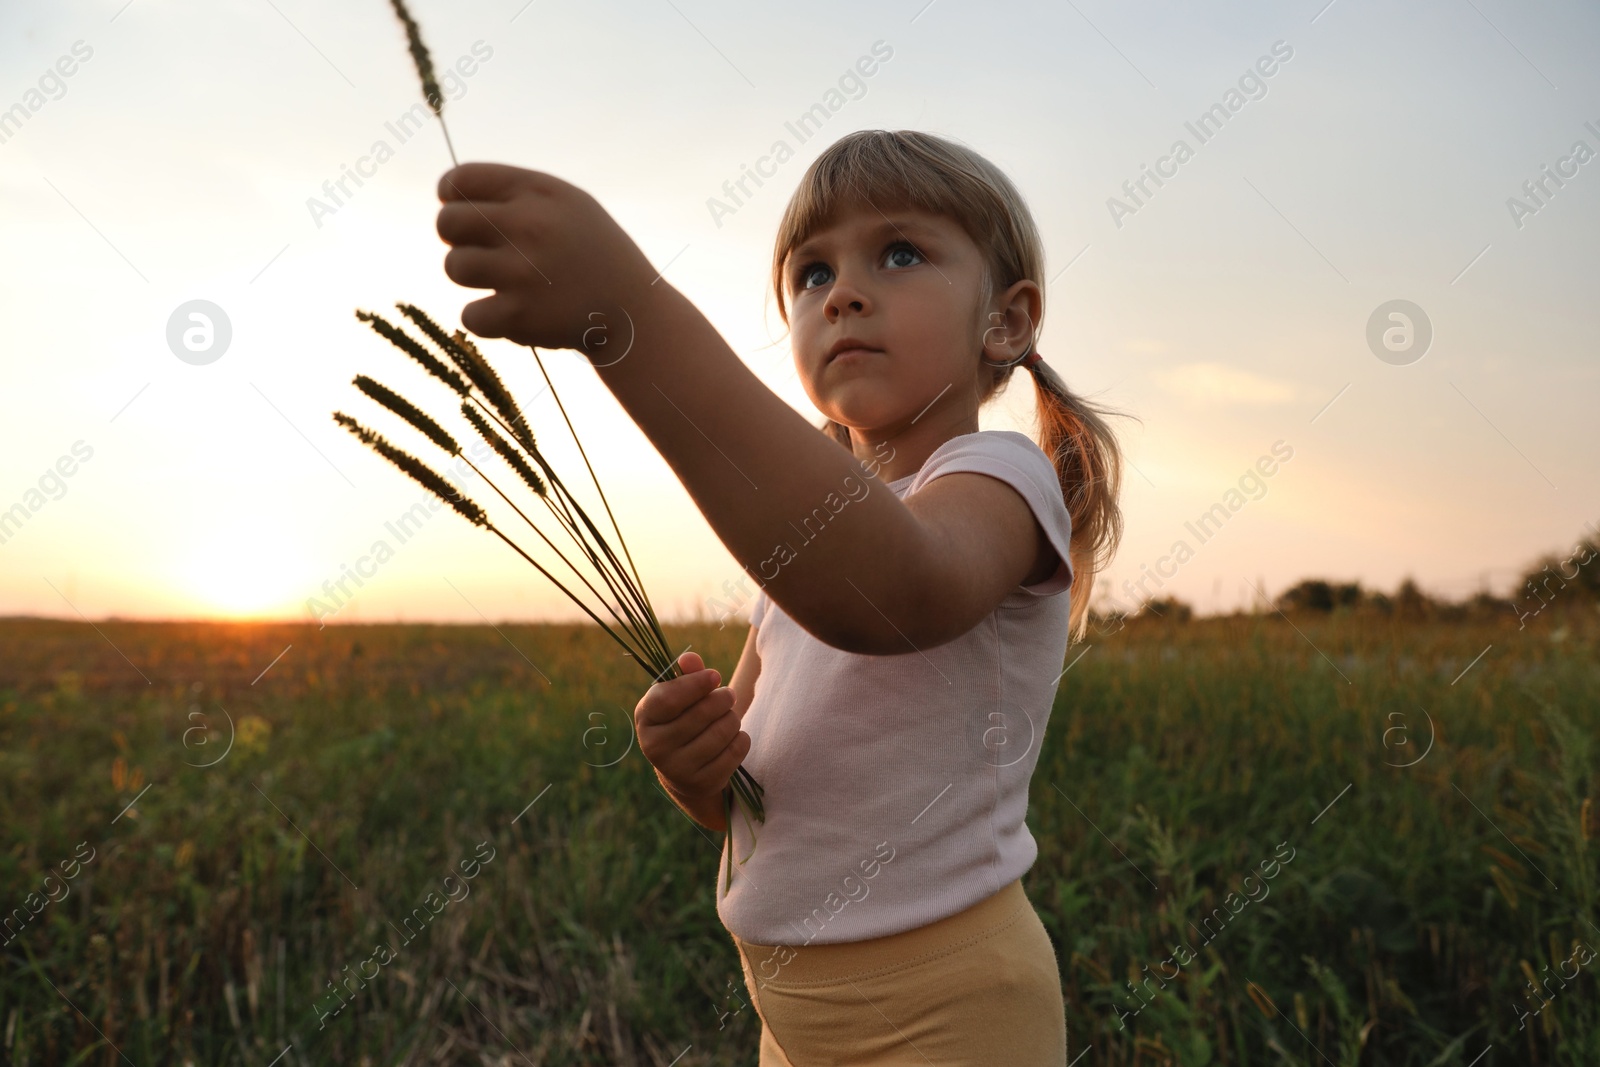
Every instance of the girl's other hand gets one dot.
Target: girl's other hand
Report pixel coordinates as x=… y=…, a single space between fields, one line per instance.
x=563 y=272
x=688 y=731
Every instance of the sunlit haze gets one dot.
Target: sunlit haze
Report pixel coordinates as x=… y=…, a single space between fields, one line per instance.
x=1427 y=154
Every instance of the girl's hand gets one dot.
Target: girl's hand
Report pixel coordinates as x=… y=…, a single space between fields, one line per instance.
x=562 y=270
x=688 y=730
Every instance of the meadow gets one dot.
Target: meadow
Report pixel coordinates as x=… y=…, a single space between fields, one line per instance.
x=1327 y=838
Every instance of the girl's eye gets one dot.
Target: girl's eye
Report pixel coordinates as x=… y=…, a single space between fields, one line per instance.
x=902 y=249
x=900 y=254
x=808 y=275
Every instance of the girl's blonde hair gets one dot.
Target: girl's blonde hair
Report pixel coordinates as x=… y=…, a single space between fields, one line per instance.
x=907 y=168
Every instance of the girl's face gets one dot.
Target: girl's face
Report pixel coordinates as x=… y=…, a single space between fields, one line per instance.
x=903 y=291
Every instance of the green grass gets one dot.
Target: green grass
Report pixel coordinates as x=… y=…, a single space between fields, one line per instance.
x=370 y=761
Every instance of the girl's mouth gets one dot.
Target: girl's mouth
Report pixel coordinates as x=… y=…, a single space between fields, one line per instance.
x=853 y=355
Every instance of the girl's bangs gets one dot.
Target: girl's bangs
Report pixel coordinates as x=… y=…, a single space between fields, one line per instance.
x=887 y=172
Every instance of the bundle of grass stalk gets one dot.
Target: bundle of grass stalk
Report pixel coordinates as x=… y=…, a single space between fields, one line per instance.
x=485 y=398
x=487 y=404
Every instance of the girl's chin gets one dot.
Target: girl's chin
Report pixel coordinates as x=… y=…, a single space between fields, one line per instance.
x=864 y=403
x=871 y=419
x=857 y=410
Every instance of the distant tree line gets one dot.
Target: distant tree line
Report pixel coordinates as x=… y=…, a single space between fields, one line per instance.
x=1558 y=581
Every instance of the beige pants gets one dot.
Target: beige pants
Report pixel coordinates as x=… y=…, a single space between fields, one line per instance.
x=979 y=987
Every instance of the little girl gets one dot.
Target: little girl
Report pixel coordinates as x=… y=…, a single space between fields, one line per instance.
x=904 y=649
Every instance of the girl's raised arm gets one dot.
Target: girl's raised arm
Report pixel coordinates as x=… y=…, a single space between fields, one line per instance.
x=885 y=576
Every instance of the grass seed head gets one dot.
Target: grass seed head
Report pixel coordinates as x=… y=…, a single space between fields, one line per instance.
x=465 y=355
x=408 y=411
x=419 y=55
x=512 y=457
x=424 y=475
x=409 y=345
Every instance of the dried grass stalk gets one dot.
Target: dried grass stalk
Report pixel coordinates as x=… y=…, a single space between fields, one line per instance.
x=430 y=479
x=502 y=447
x=465 y=355
x=424 y=63
x=407 y=344
x=487 y=404
x=632 y=612
x=408 y=411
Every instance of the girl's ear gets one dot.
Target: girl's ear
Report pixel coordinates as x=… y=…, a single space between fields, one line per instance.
x=1013 y=322
x=994 y=338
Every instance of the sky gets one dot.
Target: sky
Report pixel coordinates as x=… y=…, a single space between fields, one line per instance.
x=1241 y=305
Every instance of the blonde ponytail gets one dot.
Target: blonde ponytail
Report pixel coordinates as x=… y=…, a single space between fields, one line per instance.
x=1084 y=450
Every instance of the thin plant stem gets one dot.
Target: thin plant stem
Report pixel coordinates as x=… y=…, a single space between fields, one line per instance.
x=743 y=783
x=521 y=445
x=453 y=161
x=620 y=538
x=628 y=599
x=569 y=524
x=635 y=587
x=517 y=548
x=623 y=610
x=489 y=406
x=632 y=630
x=640 y=602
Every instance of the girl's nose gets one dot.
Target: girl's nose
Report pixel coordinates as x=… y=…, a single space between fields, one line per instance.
x=845 y=294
